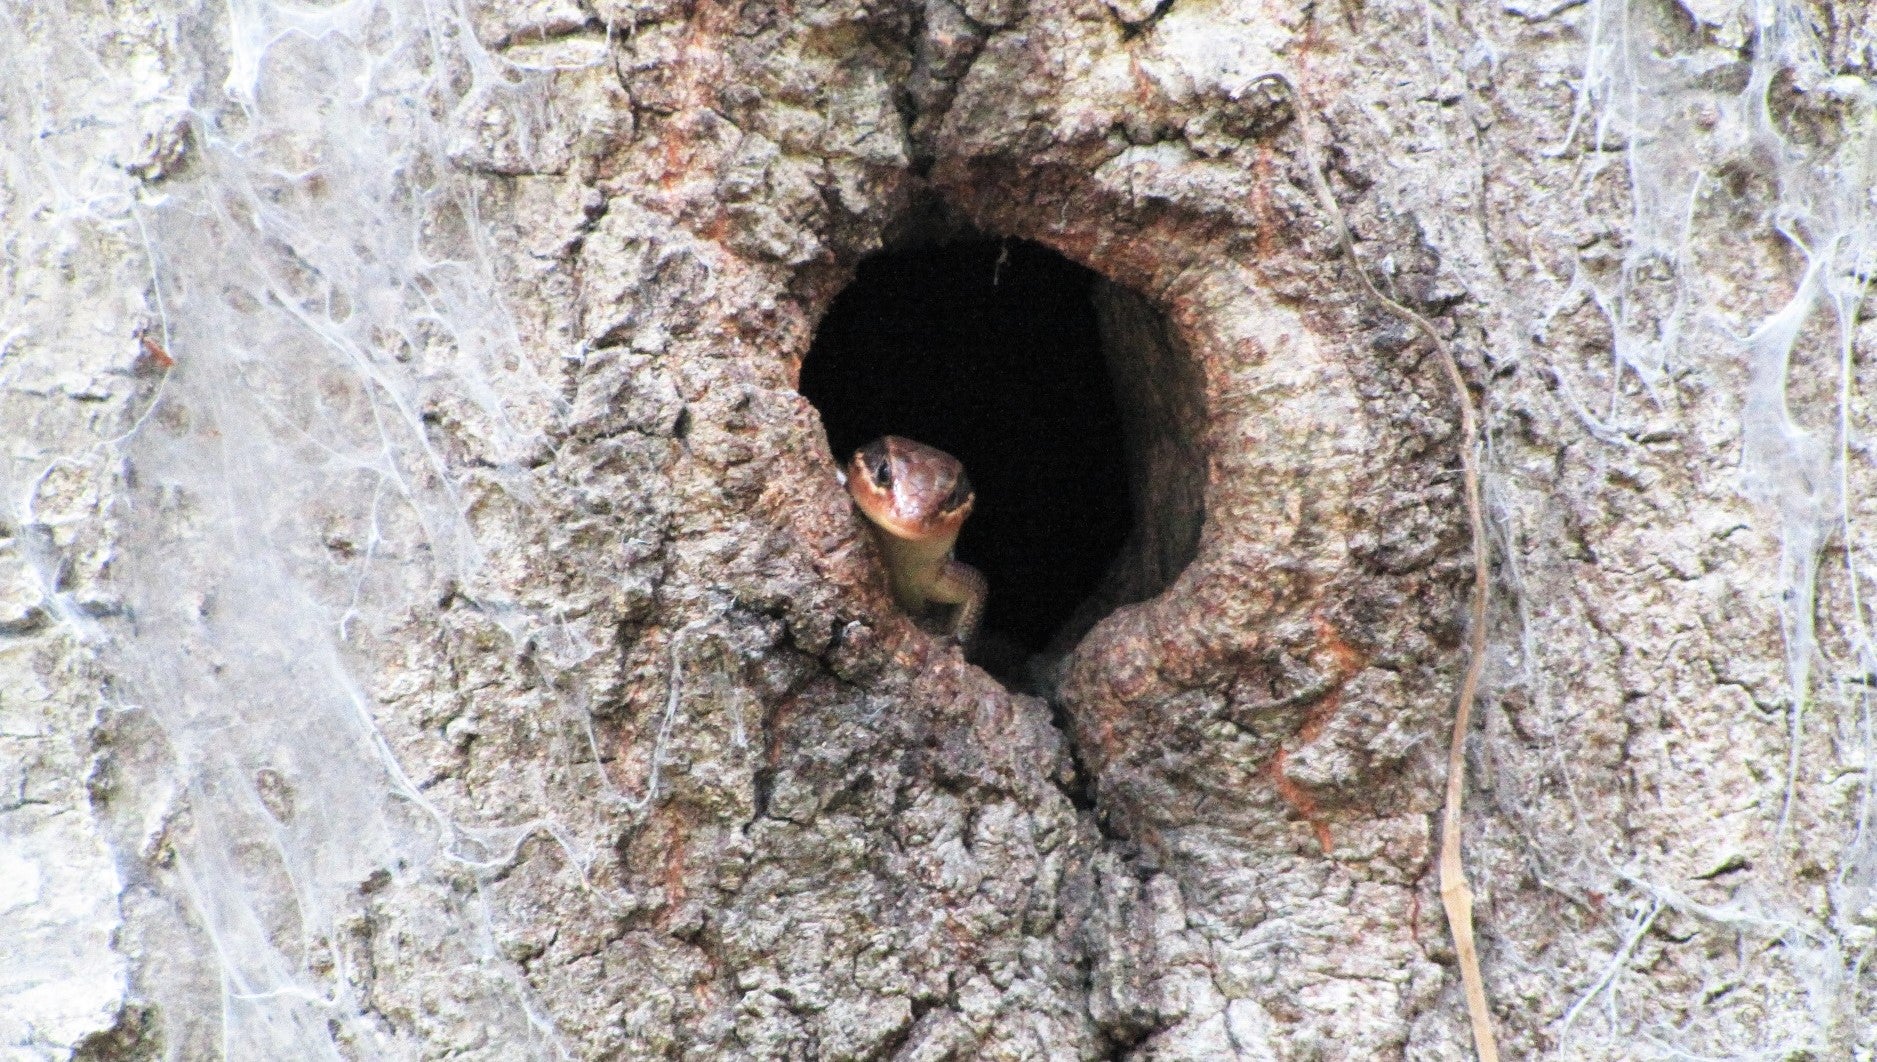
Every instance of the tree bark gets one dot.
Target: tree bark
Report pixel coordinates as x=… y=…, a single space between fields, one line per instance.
x=431 y=623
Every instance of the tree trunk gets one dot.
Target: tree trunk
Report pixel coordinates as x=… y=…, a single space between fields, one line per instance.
x=432 y=624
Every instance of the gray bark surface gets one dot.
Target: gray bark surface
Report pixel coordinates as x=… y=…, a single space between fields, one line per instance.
x=431 y=624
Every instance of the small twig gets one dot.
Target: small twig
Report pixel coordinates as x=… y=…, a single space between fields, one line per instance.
x=1455 y=895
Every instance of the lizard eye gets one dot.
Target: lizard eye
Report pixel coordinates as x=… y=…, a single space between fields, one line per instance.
x=961 y=493
x=873 y=461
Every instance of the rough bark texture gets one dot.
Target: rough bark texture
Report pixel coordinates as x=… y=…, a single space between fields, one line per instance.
x=463 y=646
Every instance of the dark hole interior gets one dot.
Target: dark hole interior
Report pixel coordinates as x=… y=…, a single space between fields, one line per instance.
x=990 y=349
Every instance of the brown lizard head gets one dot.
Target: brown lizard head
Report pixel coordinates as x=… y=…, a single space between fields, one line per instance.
x=910 y=490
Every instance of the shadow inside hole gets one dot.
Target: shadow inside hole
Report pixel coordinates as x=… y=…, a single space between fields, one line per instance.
x=990 y=350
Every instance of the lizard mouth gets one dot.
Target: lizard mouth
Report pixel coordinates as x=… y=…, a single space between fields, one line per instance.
x=918 y=529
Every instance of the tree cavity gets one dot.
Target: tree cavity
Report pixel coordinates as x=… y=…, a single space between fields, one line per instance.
x=1070 y=403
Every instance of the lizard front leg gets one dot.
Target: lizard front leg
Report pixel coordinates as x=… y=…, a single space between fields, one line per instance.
x=962 y=585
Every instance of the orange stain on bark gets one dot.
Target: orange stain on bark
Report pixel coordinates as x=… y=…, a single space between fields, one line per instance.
x=1261 y=201
x=700 y=65
x=673 y=876
x=1300 y=801
x=1345 y=662
x=151 y=357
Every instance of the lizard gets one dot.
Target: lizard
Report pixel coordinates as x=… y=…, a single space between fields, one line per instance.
x=916 y=497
